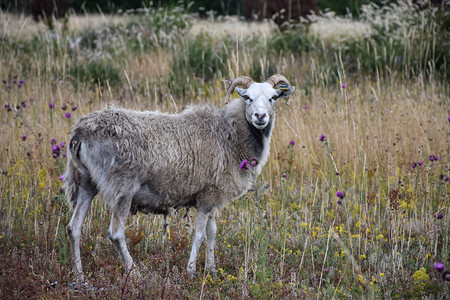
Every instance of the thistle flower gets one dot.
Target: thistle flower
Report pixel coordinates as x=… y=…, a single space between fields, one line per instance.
x=322 y=138
x=243 y=164
x=9 y=86
x=24 y=137
x=436 y=158
x=253 y=162
x=420 y=163
x=340 y=194
x=4 y=82
x=61 y=177
x=19 y=85
x=68 y=115
x=64 y=107
x=52 y=141
x=446 y=275
x=55 y=148
x=28 y=154
x=62 y=144
x=305 y=107
x=339 y=201
x=326 y=270
x=24 y=104
x=14 y=81
x=343 y=85
x=22 y=81
x=32 y=99
x=51 y=105
x=448 y=118
x=74 y=108
x=439 y=216
x=292 y=143
x=439 y=267
x=413 y=165
x=284 y=175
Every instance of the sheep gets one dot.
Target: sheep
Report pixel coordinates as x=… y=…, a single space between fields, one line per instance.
x=151 y=162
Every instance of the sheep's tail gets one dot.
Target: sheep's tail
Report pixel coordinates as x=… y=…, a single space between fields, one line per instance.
x=73 y=175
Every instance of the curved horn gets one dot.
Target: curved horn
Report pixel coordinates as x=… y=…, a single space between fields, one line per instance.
x=244 y=81
x=276 y=79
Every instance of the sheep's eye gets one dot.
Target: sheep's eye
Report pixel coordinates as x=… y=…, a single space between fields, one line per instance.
x=273 y=99
x=246 y=97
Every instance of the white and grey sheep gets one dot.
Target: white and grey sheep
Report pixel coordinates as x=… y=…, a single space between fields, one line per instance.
x=152 y=161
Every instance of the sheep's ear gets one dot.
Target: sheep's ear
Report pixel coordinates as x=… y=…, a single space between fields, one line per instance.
x=240 y=91
x=285 y=92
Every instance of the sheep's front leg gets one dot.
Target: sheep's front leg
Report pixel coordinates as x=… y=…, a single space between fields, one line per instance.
x=211 y=231
x=200 y=226
x=116 y=231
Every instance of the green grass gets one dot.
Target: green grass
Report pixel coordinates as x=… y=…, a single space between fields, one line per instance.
x=289 y=237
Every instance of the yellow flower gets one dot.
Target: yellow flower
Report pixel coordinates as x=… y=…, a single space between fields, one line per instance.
x=381 y=274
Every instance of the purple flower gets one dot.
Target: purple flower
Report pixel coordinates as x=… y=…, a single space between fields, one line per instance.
x=446 y=275
x=343 y=85
x=61 y=190
x=439 y=216
x=283 y=175
x=413 y=165
x=74 y=108
x=28 y=154
x=431 y=158
x=326 y=270
x=420 y=163
x=24 y=137
x=305 y=107
x=436 y=158
x=448 y=118
x=32 y=99
x=17 y=106
x=439 y=267
x=64 y=107
x=68 y=115
x=253 y=162
x=52 y=141
x=62 y=177
x=22 y=81
x=203 y=79
x=55 y=148
x=14 y=81
x=339 y=201
x=55 y=155
x=4 y=82
x=340 y=194
x=24 y=104
x=9 y=86
x=51 y=105
x=62 y=144
x=19 y=85
x=243 y=164
x=322 y=138
x=15 y=76
x=6 y=105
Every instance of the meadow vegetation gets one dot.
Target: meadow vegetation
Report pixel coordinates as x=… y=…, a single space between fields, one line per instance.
x=353 y=203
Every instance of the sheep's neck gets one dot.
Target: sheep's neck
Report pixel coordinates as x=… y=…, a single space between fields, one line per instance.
x=259 y=141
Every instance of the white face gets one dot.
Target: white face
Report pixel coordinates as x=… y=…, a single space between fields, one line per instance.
x=260 y=99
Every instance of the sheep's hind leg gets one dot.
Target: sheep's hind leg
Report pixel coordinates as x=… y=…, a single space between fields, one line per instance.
x=201 y=220
x=116 y=231
x=211 y=231
x=84 y=199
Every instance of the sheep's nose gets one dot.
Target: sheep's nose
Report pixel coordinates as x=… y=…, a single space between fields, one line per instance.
x=260 y=116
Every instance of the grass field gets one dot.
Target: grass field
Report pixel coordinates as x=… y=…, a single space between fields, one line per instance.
x=369 y=121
